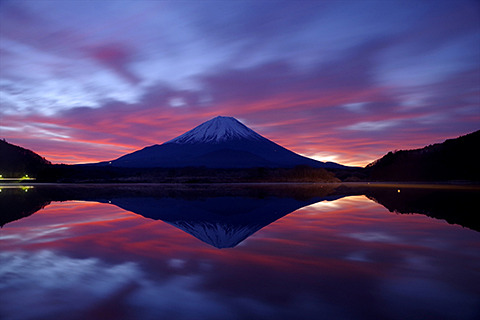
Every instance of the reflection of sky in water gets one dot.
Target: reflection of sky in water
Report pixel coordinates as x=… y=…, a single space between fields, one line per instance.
x=80 y=260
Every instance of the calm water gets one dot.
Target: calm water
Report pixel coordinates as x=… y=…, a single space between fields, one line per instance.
x=231 y=254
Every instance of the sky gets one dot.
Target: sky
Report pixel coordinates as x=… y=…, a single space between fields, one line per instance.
x=344 y=81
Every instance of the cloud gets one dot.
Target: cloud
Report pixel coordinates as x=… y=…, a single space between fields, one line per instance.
x=116 y=57
x=44 y=82
x=124 y=76
x=355 y=106
x=373 y=125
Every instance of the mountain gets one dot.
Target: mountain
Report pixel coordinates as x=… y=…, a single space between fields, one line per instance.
x=222 y=142
x=454 y=159
x=16 y=161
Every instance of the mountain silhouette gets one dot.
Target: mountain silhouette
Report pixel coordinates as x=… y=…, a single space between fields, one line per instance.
x=222 y=142
x=454 y=159
x=16 y=161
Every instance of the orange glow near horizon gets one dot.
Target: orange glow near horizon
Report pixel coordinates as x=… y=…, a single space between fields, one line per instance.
x=316 y=127
x=104 y=83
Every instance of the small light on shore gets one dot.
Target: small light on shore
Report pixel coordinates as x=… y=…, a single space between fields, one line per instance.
x=398 y=190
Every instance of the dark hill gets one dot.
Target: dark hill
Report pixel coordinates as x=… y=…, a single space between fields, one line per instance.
x=454 y=159
x=16 y=161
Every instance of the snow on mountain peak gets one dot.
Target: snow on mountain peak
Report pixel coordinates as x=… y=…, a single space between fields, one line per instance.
x=217 y=129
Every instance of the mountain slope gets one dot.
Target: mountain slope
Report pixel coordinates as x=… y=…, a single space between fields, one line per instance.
x=222 y=142
x=454 y=159
x=16 y=161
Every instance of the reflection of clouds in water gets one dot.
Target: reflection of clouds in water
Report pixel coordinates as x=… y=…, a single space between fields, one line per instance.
x=359 y=256
x=53 y=285
x=176 y=263
x=419 y=263
x=333 y=205
x=60 y=220
x=291 y=270
x=323 y=206
x=44 y=280
x=374 y=236
x=440 y=299
x=39 y=235
x=59 y=287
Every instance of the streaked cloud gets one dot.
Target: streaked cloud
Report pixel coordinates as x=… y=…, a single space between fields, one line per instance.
x=373 y=125
x=350 y=80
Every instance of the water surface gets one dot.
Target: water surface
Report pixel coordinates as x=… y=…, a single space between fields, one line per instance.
x=297 y=253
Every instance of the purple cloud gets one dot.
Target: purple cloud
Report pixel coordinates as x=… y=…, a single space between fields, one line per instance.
x=351 y=80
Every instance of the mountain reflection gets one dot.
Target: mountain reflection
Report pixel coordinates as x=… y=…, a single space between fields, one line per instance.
x=456 y=205
x=222 y=222
x=225 y=216
x=19 y=202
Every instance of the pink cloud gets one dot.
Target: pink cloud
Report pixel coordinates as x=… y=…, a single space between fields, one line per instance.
x=131 y=78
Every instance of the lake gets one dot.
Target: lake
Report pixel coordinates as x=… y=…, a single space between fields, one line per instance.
x=239 y=252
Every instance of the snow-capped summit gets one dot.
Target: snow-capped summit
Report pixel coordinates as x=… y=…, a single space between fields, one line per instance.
x=222 y=142
x=216 y=130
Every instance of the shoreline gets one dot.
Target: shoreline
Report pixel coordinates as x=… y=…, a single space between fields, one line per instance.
x=384 y=184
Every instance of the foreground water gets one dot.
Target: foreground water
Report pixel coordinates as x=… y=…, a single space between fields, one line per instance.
x=294 y=253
